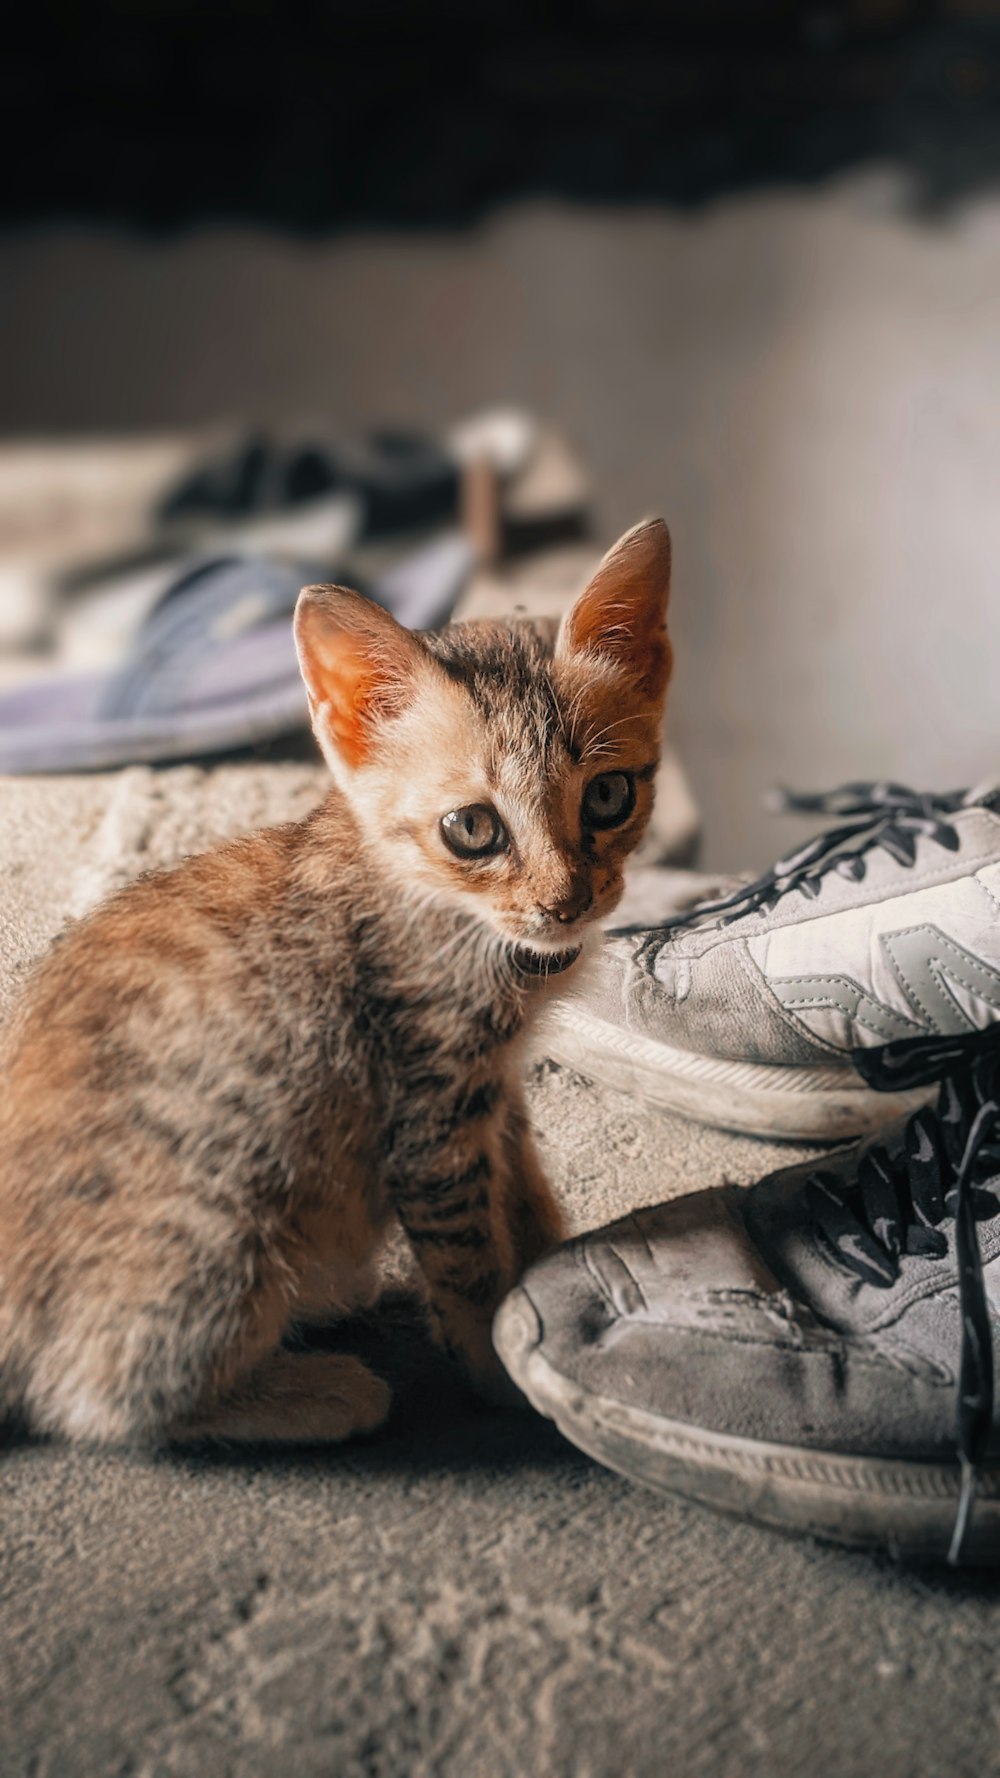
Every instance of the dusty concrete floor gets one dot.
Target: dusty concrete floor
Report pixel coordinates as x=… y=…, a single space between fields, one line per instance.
x=465 y=1596
x=804 y=383
x=476 y=1601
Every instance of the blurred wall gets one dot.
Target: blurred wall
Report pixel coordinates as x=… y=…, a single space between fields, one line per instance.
x=807 y=386
x=765 y=301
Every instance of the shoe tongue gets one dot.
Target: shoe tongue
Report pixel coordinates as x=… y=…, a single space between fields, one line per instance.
x=778 y=1217
x=986 y=794
x=779 y=1220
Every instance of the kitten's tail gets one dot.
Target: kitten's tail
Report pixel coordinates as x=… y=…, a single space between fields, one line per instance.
x=11 y=1394
x=8 y=1415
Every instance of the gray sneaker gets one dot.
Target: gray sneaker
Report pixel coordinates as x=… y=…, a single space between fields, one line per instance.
x=815 y=1352
x=748 y=1011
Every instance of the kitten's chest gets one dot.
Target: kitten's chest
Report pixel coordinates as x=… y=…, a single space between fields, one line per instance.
x=429 y=1037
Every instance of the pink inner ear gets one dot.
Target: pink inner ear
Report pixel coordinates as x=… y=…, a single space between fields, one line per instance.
x=357 y=664
x=626 y=624
x=622 y=613
x=602 y=618
x=345 y=684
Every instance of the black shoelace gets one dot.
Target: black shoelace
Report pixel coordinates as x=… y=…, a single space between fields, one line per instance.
x=898 y=1201
x=889 y=816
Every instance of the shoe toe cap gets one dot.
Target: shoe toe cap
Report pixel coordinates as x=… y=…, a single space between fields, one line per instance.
x=674 y=1314
x=628 y=1311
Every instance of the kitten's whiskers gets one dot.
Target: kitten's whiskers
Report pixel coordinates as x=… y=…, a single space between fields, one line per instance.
x=596 y=747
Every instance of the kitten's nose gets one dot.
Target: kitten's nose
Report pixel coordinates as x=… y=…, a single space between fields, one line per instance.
x=569 y=907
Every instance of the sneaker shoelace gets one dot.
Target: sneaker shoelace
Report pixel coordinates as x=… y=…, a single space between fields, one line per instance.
x=898 y=1200
x=886 y=816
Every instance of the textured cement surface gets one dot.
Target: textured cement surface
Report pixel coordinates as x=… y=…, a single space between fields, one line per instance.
x=464 y=1596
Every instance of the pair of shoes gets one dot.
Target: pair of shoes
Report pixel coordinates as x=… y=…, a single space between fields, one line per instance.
x=816 y=1351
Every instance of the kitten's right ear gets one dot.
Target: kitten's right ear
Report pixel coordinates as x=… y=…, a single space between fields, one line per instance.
x=622 y=613
x=359 y=665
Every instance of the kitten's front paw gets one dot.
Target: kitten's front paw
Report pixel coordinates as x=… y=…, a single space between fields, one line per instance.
x=494 y=1386
x=473 y=1352
x=538 y=1228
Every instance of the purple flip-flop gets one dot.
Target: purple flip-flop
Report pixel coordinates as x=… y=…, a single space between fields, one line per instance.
x=212 y=669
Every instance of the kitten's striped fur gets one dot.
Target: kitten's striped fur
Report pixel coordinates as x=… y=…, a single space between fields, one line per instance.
x=222 y=1085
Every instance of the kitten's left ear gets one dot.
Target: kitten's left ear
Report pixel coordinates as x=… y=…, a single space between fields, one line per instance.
x=360 y=667
x=622 y=613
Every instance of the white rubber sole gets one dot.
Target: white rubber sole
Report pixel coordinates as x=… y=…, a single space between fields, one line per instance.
x=811 y=1104
x=865 y=1502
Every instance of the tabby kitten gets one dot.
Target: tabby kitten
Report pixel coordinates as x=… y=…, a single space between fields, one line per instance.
x=222 y=1085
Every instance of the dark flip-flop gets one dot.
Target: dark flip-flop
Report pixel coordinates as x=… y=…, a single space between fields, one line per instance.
x=403 y=480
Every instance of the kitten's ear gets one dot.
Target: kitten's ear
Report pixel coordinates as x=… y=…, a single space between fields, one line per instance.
x=622 y=613
x=359 y=666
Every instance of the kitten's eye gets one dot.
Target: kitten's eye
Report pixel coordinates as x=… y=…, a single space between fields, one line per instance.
x=609 y=799
x=474 y=832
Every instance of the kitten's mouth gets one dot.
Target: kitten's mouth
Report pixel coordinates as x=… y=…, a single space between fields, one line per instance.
x=543 y=962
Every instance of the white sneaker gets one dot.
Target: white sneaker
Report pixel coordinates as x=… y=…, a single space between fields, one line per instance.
x=746 y=1011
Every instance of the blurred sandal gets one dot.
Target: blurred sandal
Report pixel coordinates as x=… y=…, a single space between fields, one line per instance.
x=212 y=668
